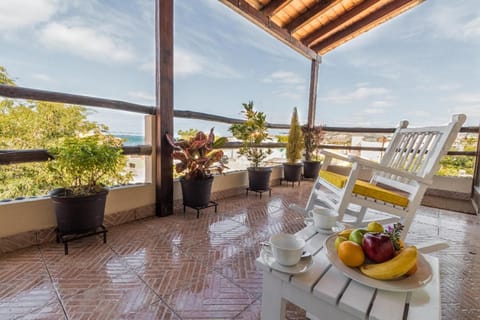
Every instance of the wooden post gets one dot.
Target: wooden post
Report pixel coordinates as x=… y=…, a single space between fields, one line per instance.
x=312 y=101
x=164 y=106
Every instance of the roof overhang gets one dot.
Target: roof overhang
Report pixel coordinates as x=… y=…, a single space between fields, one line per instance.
x=315 y=27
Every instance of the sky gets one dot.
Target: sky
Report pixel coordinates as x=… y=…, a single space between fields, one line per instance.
x=423 y=65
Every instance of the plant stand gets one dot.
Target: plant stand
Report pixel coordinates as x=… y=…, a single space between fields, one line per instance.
x=260 y=191
x=210 y=204
x=66 y=238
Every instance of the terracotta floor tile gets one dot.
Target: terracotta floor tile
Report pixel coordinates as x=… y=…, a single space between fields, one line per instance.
x=211 y=296
x=165 y=272
x=124 y=296
x=53 y=311
x=181 y=267
x=20 y=297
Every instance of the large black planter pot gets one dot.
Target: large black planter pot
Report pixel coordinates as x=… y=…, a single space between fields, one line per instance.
x=196 y=192
x=311 y=169
x=292 y=171
x=77 y=215
x=259 y=178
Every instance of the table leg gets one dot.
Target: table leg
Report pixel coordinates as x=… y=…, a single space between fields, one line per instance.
x=273 y=305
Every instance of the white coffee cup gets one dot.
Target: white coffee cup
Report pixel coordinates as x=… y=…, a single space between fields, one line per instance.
x=287 y=249
x=323 y=218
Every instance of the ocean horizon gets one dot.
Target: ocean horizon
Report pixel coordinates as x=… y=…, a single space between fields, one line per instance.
x=131 y=139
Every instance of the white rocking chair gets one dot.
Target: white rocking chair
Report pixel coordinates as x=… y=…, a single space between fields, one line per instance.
x=398 y=182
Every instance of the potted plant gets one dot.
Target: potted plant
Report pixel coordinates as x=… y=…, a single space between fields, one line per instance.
x=252 y=132
x=197 y=158
x=292 y=169
x=83 y=167
x=312 y=163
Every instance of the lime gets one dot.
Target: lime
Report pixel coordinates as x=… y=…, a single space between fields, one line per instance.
x=374 y=226
x=339 y=240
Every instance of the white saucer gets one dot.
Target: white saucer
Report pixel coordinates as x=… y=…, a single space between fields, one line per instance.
x=302 y=266
x=336 y=228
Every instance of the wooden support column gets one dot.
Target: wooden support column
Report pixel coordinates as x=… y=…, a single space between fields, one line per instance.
x=312 y=100
x=164 y=106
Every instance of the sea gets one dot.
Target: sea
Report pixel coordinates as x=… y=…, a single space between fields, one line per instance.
x=131 y=140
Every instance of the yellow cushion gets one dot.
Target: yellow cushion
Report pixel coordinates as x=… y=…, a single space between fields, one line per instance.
x=365 y=189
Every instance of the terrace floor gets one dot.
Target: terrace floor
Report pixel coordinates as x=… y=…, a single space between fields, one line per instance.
x=186 y=268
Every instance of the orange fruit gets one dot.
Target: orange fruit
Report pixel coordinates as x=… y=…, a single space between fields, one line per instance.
x=351 y=253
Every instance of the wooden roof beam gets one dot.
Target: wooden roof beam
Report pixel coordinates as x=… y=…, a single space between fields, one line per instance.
x=260 y=19
x=274 y=6
x=383 y=14
x=319 y=8
x=341 y=20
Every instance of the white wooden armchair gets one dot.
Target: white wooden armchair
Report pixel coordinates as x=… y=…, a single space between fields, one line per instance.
x=398 y=182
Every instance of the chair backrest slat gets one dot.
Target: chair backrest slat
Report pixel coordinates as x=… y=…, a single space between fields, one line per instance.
x=418 y=150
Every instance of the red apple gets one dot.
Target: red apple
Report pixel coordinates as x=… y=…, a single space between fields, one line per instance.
x=378 y=247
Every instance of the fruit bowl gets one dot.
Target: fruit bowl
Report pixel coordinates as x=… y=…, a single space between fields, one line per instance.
x=413 y=282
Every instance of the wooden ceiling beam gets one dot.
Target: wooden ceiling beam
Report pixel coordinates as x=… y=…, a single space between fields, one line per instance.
x=383 y=14
x=341 y=20
x=319 y=8
x=274 y=6
x=260 y=19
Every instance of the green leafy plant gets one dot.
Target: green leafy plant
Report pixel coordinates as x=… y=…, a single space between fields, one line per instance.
x=295 y=139
x=196 y=156
x=312 y=140
x=394 y=232
x=252 y=132
x=84 y=165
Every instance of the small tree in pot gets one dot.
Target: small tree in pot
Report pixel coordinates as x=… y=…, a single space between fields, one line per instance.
x=82 y=167
x=197 y=158
x=252 y=132
x=292 y=169
x=312 y=163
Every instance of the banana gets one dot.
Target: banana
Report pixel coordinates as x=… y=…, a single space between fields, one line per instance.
x=393 y=268
x=345 y=233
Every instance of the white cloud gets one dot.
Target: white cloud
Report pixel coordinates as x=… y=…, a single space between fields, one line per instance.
x=467 y=103
x=449 y=86
x=17 y=14
x=419 y=114
x=360 y=93
x=284 y=77
x=381 y=103
x=143 y=96
x=89 y=43
x=188 y=64
x=42 y=77
x=374 y=111
x=287 y=84
x=457 y=22
x=467 y=98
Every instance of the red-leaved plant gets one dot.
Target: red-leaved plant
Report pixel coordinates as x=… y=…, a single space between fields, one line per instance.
x=197 y=157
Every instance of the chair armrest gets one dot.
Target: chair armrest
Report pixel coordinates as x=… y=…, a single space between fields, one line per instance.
x=335 y=155
x=377 y=166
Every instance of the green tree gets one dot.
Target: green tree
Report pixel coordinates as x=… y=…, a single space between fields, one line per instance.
x=295 y=139
x=4 y=78
x=451 y=165
x=252 y=132
x=35 y=125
